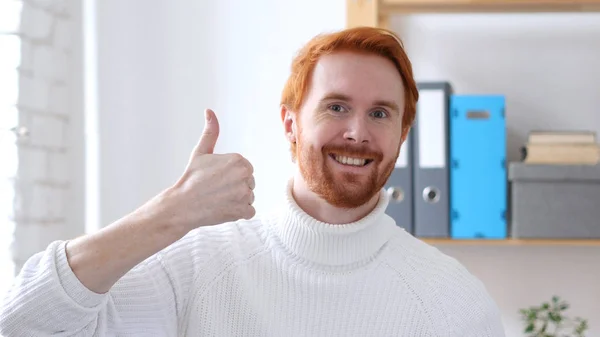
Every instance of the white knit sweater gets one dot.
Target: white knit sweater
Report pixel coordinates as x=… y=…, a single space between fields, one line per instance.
x=282 y=275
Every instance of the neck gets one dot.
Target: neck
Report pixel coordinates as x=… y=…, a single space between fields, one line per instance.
x=323 y=211
x=333 y=243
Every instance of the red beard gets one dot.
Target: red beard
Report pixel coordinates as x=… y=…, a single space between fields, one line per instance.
x=344 y=190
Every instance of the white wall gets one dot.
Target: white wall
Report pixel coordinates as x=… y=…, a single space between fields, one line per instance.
x=161 y=63
x=519 y=277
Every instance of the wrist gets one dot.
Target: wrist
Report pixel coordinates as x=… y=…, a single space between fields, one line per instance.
x=161 y=216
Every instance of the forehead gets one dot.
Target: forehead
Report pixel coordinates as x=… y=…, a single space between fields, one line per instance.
x=363 y=77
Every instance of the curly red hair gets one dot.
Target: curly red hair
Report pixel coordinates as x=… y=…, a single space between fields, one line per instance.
x=370 y=40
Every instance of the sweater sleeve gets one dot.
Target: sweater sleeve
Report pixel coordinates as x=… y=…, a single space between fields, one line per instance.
x=48 y=299
x=479 y=317
x=467 y=309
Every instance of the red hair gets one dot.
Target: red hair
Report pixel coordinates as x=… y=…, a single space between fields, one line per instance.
x=370 y=40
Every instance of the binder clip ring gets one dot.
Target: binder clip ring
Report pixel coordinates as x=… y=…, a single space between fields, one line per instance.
x=396 y=193
x=431 y=194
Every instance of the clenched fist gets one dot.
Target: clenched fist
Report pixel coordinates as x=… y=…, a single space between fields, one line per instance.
x=214 y=188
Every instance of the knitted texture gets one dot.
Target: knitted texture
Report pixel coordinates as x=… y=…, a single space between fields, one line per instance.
x=284 y=274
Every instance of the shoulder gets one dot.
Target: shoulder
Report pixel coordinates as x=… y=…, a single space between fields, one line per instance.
x=424 y=264
x=457 y=299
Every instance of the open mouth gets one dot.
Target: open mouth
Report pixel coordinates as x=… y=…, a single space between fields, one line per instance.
x=351 y=161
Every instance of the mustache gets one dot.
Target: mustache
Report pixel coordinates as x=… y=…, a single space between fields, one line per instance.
x=353 y=151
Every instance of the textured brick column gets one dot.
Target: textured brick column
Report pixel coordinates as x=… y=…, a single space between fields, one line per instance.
x=42 y=183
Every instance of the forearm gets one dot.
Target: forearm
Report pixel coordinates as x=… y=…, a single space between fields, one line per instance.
x=48 y=299
x=100 y=259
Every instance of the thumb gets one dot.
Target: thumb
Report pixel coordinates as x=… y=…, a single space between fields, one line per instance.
x=208 y=140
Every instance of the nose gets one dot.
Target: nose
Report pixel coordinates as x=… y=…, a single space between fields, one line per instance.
x=356 y=130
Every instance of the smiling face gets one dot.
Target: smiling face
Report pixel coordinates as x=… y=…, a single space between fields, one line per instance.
x=349 y=130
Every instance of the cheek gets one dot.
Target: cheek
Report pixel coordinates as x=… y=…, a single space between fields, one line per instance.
x=389 y=144
x=323 y=133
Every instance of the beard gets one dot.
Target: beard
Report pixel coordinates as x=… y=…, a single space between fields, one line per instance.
x=343 y=189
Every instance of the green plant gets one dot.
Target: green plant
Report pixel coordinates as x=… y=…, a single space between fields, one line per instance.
x=549 y=320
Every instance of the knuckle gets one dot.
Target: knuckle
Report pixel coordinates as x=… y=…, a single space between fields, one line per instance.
x=250 y=212
x=237 y=158
x=241 y=161
x=208 y=133
x=250 y=167
x=232 y=159
x=247 y=171
x=244 y=192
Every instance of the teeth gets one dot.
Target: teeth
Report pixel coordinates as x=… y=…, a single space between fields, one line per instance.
x=351 y=161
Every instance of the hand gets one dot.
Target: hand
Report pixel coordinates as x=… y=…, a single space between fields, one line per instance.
x=215 y=188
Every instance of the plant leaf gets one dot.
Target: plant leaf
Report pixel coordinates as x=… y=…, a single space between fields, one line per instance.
x=554 y=317
x=581 y=327
x=532 y=315
x=529 y=327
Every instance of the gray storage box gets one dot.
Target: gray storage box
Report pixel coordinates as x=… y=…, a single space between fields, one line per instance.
x=554 y=201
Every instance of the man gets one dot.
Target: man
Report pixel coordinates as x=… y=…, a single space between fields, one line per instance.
x=195 y=261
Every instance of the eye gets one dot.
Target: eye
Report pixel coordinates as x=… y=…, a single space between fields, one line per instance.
x=379 y=114
x=337 y=108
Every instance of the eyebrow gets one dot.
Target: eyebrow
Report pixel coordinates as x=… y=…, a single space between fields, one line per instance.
x=337 y=96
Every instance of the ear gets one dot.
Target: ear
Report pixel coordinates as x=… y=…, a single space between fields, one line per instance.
x=405 y=131
x=289 y=123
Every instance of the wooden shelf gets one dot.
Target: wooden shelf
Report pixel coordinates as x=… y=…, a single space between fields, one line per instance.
x=489 y=6
x=376 y=13
x=514 y=242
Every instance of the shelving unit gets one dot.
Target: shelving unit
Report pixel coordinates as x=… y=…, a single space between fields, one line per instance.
x=514 y=242
x=376 y=13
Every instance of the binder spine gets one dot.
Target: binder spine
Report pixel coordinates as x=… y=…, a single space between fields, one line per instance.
x=478 y=176
x=431 y=161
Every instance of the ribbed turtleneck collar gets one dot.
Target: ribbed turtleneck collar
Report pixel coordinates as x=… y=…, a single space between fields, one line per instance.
x=333 y=244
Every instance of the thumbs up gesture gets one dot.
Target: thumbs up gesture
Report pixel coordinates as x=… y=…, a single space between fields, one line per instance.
x=214 y=188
